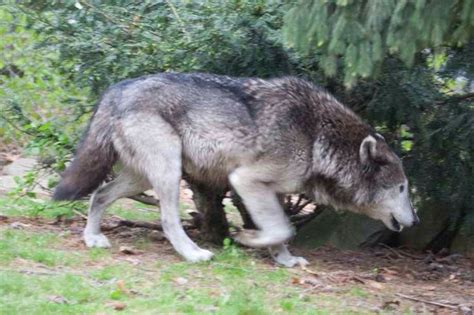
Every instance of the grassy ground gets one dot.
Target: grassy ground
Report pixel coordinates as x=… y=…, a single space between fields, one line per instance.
x=45 y=269
x=40 y=274
x=39 y=277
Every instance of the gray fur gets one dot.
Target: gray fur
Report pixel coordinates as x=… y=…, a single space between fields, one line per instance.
x=264 y=137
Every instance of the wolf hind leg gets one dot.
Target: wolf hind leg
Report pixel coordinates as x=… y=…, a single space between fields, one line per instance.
x=282 y=255
x=158 y=156
x=126 y=184
x=262 y=203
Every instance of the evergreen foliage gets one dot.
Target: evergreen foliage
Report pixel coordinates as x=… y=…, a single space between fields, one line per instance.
x=112 y=40
x=363 y=32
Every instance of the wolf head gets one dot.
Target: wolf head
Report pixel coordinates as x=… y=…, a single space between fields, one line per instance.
x=386 y=194
x=369 y=180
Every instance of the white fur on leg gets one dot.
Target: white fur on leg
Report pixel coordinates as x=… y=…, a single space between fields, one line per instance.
x=174 y=232
x=258 y=239
x=126 y=184
x=96 y=240
x=198 y=255
x=263 y=205
x=282 y=255
x=183 y=245
x=172 y=227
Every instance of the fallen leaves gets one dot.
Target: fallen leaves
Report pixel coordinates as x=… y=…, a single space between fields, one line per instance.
x=122 y=288
x=116 y=305
x=375 y=285
x=445 y=305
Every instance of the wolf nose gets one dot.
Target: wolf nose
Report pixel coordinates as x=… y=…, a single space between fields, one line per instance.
x=416 y=220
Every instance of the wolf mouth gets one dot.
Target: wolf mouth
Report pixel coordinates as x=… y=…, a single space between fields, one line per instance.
x=395 y=224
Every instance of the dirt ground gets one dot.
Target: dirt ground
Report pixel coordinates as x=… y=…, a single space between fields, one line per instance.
x=396 y=279
x=392 y=280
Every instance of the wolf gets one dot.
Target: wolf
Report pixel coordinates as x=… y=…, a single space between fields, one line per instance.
x=263 y=137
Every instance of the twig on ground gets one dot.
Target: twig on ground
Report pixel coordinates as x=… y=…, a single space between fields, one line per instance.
x=392 y=250
x=143 y=224
x=426 y=302
x=79 y=214
x=140 y=224
x=45 y=272
x=306 y=269
x=411 y=255
x=400 y=253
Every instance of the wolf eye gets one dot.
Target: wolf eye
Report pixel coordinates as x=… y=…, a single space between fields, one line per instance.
x=402 y=188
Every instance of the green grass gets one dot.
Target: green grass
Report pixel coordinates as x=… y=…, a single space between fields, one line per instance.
x=35 y=207
x=36 y=247
x=231 y=284
x=32 y=207
x=36 y=267
x=135 y=211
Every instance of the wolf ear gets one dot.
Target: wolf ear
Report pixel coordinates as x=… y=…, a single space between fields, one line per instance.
x=367 y=150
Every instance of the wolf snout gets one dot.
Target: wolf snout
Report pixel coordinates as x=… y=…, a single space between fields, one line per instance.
x=416 y=220
x=397 y=223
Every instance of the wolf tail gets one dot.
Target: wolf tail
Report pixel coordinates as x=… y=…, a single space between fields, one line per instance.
x=95 y=155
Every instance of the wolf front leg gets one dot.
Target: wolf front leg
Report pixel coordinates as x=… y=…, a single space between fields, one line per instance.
x=264 y=207
x=208 y=201
x=282 y=255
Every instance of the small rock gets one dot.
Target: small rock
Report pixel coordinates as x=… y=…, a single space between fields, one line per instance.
x=127 y=250
x=156 y=236
x=375 y=285
x=380 y=278
x=18 y=225
x=451 y=259
x=436 y=267
x=430 y=288
x=181 y=281
x=57 y=299
x=465 y=310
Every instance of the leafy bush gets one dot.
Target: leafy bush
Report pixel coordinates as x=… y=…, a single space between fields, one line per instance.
x=404 y=77
x=39 y=107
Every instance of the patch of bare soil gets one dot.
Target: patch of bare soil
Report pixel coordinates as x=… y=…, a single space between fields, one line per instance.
x=443 y=284
x=8 y=154
x=395 y=279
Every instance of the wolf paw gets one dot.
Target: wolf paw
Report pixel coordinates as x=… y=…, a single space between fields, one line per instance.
x=291 y=261
x=254 y=238
x=96 y=240
x=199 y=255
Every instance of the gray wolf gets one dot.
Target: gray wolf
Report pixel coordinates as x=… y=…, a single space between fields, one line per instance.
x=263 y=137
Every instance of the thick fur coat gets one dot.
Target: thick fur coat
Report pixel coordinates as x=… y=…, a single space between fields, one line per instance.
x=262 y=137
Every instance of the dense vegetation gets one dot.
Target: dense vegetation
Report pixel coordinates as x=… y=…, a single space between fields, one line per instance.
x=406 y=66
